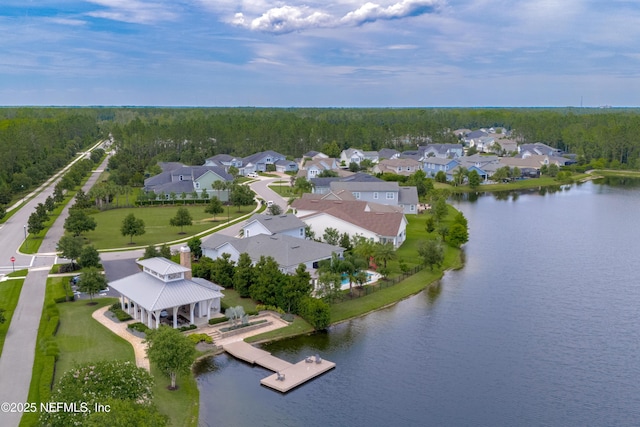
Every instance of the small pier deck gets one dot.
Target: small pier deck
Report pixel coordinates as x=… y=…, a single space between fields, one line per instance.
x=288 y=376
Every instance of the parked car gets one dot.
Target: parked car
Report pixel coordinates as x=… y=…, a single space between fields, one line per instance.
x=253 y=175
x=75 y=279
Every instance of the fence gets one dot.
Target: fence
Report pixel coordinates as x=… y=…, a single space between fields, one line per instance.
x=361 y=291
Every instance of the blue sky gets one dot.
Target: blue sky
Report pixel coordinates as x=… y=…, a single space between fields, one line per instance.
x=320 y=53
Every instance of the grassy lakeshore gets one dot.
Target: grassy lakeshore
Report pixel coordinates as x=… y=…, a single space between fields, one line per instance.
x=522 y=184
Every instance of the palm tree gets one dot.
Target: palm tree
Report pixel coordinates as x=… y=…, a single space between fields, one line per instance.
x=459 y=175
x=218 y=186
x=384 y=252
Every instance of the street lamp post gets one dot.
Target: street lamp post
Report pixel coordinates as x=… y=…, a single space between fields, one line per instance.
x=25 y=232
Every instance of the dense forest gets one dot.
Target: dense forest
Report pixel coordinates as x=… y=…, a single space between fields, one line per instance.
x=34 y=142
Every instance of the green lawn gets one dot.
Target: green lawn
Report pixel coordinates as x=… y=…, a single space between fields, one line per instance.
x=82 y=339
x=523 y=184
x=283 y=190
x=298 y=327
x=232 y=299
x=181 y=405
x=9 y=295
x=157 y=229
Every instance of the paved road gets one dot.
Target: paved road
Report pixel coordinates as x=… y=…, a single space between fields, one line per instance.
x=16 y=361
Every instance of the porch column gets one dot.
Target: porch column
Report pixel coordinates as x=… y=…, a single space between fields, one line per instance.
x=209 y=304
x=142 y=315
x=149 y=320
x=135 y=310
x=192 y=306
x=122 y=301
x=157 y=314
x=175 y=317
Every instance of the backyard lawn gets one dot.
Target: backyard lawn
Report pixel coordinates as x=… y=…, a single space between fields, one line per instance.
x=157 y=229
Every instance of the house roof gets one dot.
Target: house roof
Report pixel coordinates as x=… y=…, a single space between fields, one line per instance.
x=169 y=166
x=154 y=294
x=394 y=163
x=330 y=195
x=276 y=223
x=408 y=196
x=287 y=251
x=382 y=220
x=254 y=158
x=387 y=153
x=162 y=265
x=363 y=186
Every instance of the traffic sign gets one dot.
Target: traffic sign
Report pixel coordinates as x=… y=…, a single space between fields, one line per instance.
x=13 y=259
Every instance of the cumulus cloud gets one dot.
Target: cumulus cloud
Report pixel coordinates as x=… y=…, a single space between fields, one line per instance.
x=286 y=19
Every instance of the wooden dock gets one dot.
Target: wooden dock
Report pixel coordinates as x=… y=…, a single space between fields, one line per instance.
x=287 y=376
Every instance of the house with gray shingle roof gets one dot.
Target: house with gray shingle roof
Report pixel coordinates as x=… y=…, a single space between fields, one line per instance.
x=166 y=290
x=287 y=251
x=355 y=217
x=404 y=167
x=383 y=192
x=179 y=179
x=287 y=224
x=258 y=162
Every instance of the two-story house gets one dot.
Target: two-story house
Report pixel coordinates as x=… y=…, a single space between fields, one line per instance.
x=177 y=179
x=397 y=166
x=386 y=193
x=258 y=162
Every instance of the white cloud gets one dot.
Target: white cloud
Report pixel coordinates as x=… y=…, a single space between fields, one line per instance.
x=133 y=11
x=287 y=18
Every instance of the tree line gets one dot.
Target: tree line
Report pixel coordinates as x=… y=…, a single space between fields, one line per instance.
x=34 y=142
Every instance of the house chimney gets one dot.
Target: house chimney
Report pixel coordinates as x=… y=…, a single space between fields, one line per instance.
x=185 y=260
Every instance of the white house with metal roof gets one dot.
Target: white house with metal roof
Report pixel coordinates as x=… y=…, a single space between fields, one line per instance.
x=164 y=289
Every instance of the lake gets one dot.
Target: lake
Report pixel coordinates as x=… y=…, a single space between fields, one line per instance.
x=540 y=327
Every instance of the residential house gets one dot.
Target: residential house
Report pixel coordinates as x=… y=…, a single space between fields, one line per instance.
x=472 y=138
x=540 y=149
x=177 y=178
x=386 y=193
x=284 y=166
x=388 y=153
x=286 y=224
x=258 y=162
x=433 y=165
x=404 y=167
x=314 y=167
x=373 y=221
x=354 y=155
x=323 y=185
x=224 y=160
x=165 y=292
x=287 y=251
x=443 y=151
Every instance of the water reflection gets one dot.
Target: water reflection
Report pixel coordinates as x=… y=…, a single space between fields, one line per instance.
x=618 y=181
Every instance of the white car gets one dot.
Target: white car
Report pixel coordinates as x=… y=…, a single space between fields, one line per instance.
x=252 y=175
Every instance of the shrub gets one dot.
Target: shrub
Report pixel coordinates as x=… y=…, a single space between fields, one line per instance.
x=197 y=338
x=316 y=312
x=261 y=307
x=122 y=315
x=217 y=320
x=97 y=382
x=187 y=328
x=138 y=326
x=68 y=268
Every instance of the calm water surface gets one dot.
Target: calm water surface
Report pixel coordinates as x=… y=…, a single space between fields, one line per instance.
x=539 y=328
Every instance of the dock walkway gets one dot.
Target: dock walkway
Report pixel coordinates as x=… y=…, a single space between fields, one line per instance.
x=287 y=375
